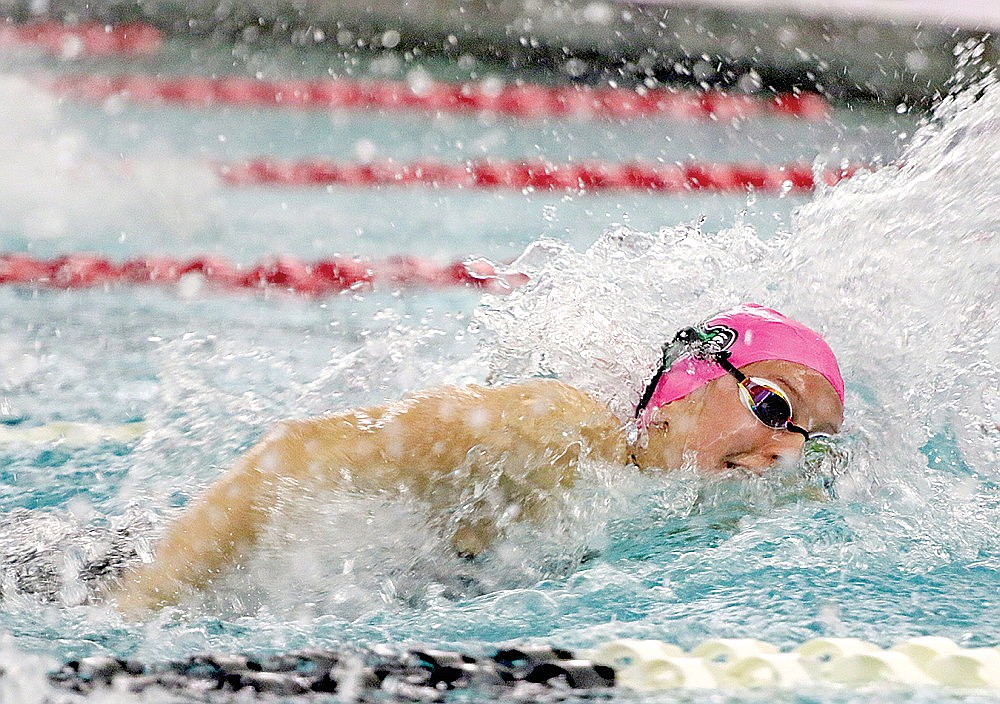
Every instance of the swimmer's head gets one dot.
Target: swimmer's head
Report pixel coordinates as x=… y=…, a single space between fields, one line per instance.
x=745 y=334
x=744 y=388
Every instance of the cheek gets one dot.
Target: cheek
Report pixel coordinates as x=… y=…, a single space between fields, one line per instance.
x=657 y=448
x=722 y=431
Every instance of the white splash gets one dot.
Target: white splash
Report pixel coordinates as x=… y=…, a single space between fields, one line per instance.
x=900 y=269
x=897 y=268
x=54 y=183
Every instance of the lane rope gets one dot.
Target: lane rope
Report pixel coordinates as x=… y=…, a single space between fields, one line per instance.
x=283 y=273
x=644 y=666
x=519 y=101
x=583 y=177
x=84 y=39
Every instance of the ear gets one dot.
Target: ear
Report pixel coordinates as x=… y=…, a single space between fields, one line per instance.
x=659 y=418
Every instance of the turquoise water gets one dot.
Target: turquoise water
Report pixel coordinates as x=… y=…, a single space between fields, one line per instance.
x=891 y=266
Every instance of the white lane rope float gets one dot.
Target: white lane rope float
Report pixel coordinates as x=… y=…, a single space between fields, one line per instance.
x=68 y=433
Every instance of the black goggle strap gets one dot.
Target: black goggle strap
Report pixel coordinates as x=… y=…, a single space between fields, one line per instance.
x=722 y=359
x=669 y=356
x=671 y=352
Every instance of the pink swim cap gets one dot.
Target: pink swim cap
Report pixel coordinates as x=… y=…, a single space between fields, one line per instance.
x=750 y=333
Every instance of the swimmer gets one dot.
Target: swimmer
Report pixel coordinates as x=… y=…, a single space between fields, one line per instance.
x=743 y=391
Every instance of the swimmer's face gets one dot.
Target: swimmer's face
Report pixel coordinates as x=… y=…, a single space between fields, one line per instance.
x=712 y=427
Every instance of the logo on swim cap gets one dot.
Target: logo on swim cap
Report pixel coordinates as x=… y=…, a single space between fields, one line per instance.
x=712 y=340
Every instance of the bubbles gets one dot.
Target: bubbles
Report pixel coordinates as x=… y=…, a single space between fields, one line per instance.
x=19 y=363
x=390 y=39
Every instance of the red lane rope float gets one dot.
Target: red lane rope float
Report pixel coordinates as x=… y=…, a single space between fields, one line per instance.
x=86 y=39
x=523 y=101
x=324 y=277
x=537 y=176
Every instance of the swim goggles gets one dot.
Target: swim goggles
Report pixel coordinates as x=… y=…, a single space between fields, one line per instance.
x=763 y=398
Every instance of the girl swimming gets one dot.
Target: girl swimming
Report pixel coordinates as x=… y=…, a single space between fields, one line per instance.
x=742 y=391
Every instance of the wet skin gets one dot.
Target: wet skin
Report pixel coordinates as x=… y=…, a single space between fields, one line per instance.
x=527 y=438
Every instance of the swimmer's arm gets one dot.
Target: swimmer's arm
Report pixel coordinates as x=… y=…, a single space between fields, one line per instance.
x=413 y=446
x=214 y=532
x=222 y=525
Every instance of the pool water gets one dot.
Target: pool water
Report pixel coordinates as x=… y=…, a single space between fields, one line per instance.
x=898 y=267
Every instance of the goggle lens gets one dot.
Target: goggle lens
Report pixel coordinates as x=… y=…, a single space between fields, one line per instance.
x=769 y=404
x=766 y=402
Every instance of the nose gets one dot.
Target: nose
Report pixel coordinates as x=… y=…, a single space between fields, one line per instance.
x=779 y=447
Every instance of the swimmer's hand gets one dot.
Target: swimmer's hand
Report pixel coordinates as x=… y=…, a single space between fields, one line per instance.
x=141 y=591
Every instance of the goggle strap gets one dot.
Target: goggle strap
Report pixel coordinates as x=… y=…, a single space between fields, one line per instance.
x=722 y=359
x=670 y=355
x=647 y=395
x=797 y=429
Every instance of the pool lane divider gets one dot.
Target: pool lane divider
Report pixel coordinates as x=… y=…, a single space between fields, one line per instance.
x=92 y=39
x=319 y=278
x=637 y=665
x=525 y=101
x=535 y=176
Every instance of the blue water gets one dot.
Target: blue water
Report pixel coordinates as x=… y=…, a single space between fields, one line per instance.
x=904 y=546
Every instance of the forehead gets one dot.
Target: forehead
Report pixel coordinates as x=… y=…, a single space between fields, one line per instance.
x=815 y=404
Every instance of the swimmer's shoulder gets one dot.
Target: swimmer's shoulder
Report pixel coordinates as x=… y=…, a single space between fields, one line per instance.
x=547 y=397
x=599 y=428
x=557 y=409
x=564 y=395
x=557 y=394
x=552 y=399
x=551 y=394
